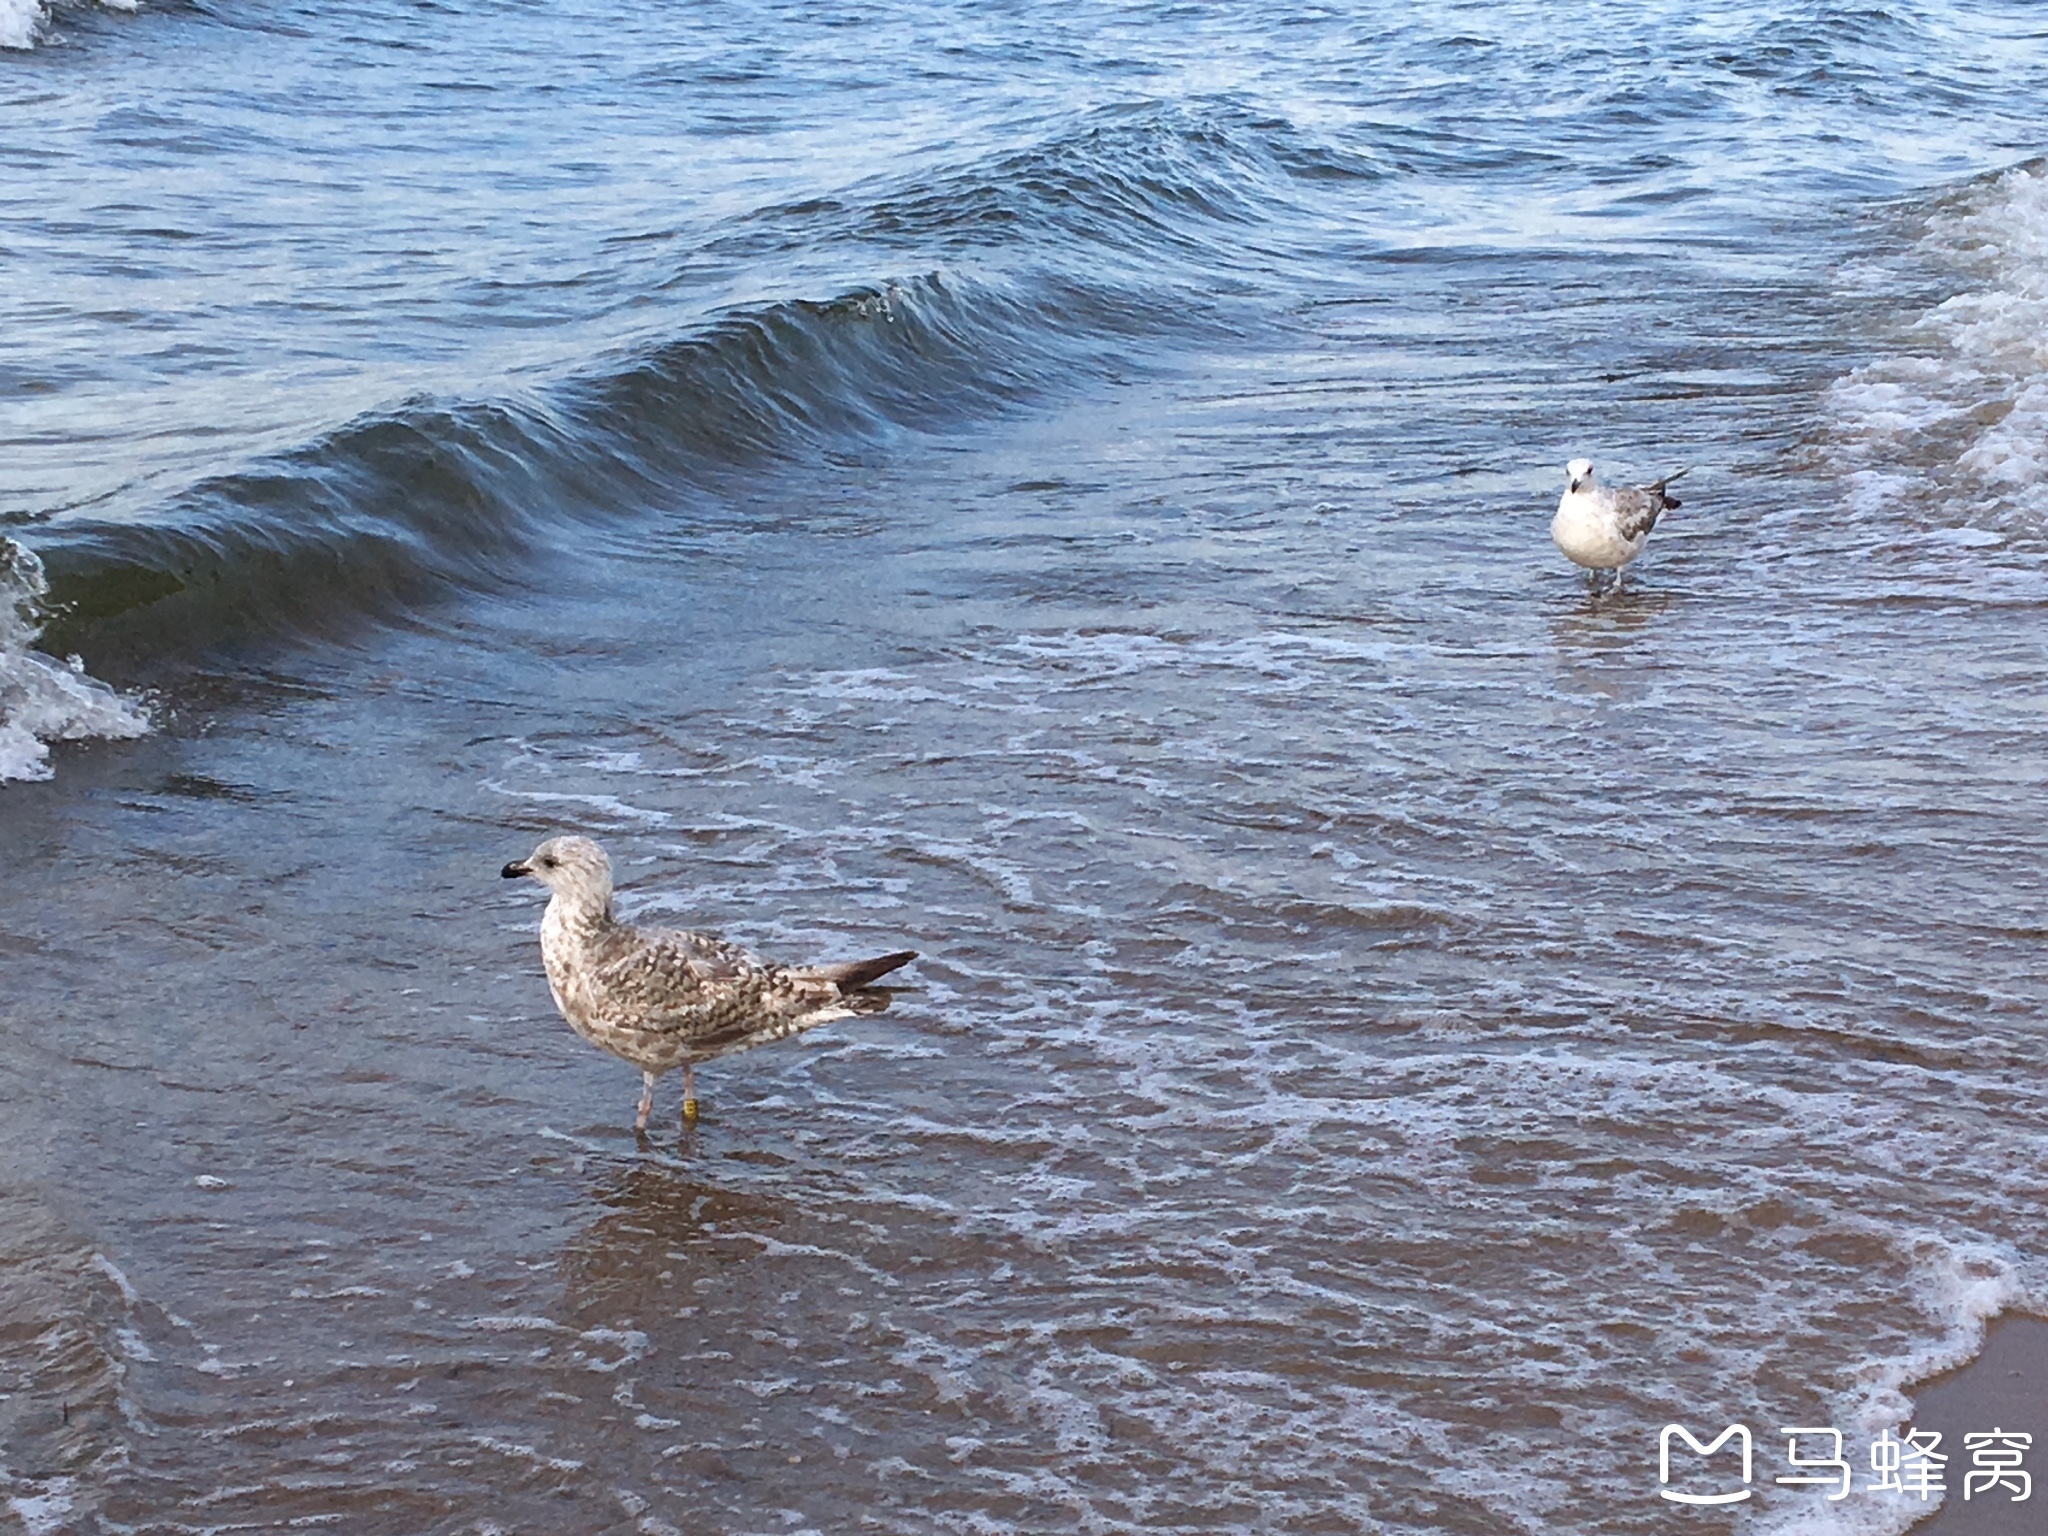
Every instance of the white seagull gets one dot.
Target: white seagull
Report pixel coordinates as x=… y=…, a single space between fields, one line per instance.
x=663 y=998
x=1604 y=527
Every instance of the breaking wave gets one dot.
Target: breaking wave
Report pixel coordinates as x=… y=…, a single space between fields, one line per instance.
x=404 y=504
x=24 y=23
x=1069 y=260
x=41 y=699
x=1957 y=414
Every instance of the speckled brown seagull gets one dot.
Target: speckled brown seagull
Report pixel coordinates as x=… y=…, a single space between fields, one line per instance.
x=661 y=998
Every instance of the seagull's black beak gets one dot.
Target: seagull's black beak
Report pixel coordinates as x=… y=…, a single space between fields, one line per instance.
x=514 y=870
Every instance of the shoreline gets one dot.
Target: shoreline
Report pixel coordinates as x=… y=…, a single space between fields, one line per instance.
x=2004 y=1386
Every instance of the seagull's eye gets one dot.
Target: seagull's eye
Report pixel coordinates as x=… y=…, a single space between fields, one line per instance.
x=548 y=862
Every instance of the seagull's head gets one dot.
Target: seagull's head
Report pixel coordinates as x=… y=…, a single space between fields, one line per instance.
x=571 y=867
x=1580 y=473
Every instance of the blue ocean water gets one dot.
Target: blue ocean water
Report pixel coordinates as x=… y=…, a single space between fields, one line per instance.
x=1063 y=490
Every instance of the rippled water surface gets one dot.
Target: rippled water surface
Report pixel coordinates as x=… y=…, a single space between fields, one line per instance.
x=1065 y=491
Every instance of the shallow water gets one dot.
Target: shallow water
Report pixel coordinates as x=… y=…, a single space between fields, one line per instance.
x=1067 y=495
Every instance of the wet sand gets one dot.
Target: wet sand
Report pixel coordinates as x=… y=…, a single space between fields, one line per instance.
x=2004 y=1387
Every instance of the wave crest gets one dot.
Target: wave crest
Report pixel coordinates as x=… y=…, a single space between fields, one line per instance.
x=43 y=700
x=389 y=512
x=22 y=22
x=401 y=506
x=1960 y=411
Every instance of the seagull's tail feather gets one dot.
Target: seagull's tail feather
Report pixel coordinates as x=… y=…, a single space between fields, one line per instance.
x=864 y=1001
x=1659 y=492
x=807 y=1008
x=854 y=974
x=817 y=994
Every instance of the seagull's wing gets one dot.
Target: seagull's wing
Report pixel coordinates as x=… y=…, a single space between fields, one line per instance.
x=1635 y=511
x=713 y=959
x=712 y=994
x=675 y=980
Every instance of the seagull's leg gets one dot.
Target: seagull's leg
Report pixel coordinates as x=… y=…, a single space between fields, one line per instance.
x=646 y=1101
x=1615 y=591
x=689 y=1091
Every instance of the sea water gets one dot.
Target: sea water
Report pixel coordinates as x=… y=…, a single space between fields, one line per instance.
x=1063 y=490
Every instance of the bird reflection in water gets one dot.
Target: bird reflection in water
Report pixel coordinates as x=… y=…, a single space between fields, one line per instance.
x=1599 y=643
x=660 y=1226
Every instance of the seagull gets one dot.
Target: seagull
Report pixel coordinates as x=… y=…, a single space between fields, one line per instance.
x=662 y=998
x=1604 y=527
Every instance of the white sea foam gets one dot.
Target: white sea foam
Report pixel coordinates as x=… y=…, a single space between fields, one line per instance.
x=22 y=21
x=515 y=1325
x=1959 y=1290
x=43 y=1513
x=1964 y=404
x=1201 y=1165
x=107 y=1267
x=18 y=22
x=42 y=700
x=519 y=1452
